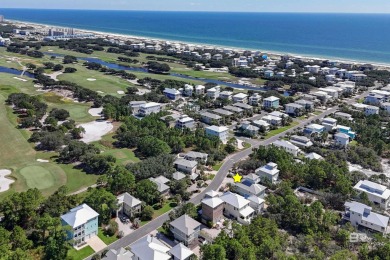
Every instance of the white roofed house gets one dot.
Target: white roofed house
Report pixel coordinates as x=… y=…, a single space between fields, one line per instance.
x=185 y=229
x=376 y=193
x=199 y=89
x=235 y=110
x=226 y=95
x=341 y=139
x=196 y=156
x=247 y=188
x=342 y=115
x=262 y=125
x=249 y=130
x=213 y=93
x=120 y=254
x=371 y=110
x=212 y=208
x=210 y=118
x=360 y=214
x=185 y=122
x=272 y=120
x=149 y=108
x=294 y=109
x=172 y=93
x=129 y=205
x=219 y=131
x=237 y=207
x=181 y=252
x=301 y=141
x=188 y=90
x=185 y=166
x=255 y=99
x=150 y=248
x=240 y=98
x=287 y=146
x=244 y=106
x=329 y=123
x=269 y=171
x=271 y=102
x=83 y=222
x=314 y=129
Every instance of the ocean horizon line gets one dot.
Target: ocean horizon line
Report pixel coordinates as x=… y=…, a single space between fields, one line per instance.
x=196 y=11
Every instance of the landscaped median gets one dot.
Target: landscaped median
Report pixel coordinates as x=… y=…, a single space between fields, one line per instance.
x=280 y=130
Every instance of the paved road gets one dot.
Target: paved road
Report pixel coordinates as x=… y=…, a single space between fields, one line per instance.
x=220 y=176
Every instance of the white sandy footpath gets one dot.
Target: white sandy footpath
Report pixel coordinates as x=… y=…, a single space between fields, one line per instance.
x=95 y=130
x=96 y=111
x=4 y=182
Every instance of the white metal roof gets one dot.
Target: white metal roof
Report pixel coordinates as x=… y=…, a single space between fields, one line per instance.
x=235 y=200
x=150 y=248
x=79 y=215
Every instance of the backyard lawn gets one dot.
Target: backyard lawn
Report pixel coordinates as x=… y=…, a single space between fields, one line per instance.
x=80 y=254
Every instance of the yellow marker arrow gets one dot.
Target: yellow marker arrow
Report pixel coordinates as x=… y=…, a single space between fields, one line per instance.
x=237 y=178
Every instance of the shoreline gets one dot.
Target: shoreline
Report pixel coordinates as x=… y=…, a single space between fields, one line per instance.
x=270 y=53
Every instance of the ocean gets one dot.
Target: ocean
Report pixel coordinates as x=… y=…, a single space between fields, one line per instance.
x=356 y=37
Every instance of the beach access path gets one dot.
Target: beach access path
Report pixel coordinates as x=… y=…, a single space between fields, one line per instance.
x=220 y=176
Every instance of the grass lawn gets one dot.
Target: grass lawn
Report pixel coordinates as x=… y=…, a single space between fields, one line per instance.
x=280 y=130
x=217 y=166
x=170 y=204
x=107 y=240
x=78 y=111
x=104 y=83
x=80 y=254
x=246 y=145
x=123 y=156
x=353 y=143
x=317 y=113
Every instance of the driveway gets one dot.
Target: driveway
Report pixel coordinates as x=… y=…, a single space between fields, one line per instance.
x=96 y=244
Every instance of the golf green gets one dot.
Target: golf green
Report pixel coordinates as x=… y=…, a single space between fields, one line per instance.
x=37 y=177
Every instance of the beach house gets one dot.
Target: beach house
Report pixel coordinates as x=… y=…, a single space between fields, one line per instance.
x=360 y=214
x=172 y=93
x=149 y=108
x=185 y=166
x=210 y=118
x=185 y=229
x=185 y=122
x=271 y=102
x=237 y=207
x=83 y=223
x=240 y=98
x=329 y=123
x=219 y=131
x=269 y=171
x=287 y=146
x=376 y=193
x=255 y=99
x=212 y=209
x=150 y=248
x=129 y=205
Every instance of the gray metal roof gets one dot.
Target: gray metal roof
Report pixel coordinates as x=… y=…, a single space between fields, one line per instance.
x=128 y=200
x=186 y=163
x=367 y=214
x=185 y=224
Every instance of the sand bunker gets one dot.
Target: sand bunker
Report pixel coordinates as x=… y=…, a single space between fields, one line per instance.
x=120 y=92
x=95 y=130
x=100 y=92
x=90 y=79
x=42 y=160
x=95 y=111
x=4 y=182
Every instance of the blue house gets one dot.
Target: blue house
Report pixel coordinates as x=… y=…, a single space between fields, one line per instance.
x=346 y=130
x=83 y=221
x=271 y=102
